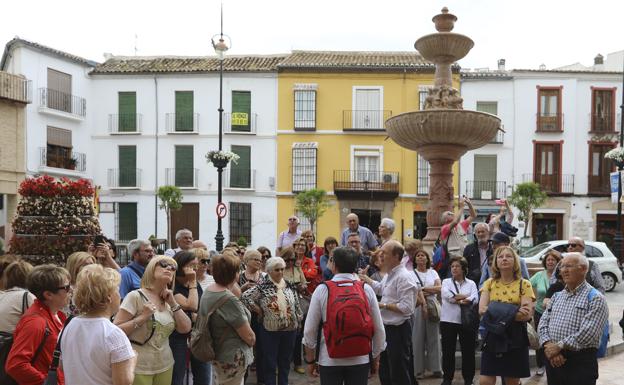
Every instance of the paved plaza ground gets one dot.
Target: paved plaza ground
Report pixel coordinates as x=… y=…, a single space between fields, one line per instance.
x=610 y=367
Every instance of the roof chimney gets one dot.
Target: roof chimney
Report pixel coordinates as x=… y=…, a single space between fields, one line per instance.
x=501 y=64
x=599 y=59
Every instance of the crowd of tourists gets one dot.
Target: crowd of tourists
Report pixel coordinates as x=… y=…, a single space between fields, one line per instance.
x=357 y=305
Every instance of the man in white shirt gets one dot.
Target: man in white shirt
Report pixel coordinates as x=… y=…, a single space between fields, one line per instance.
x=184 y=240
x=288 y=236
x=398 y=290
x=351 y=370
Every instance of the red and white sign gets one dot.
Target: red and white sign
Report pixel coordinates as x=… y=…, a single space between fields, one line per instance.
x=221 y=210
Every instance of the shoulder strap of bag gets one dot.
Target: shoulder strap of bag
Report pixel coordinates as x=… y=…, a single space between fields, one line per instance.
x=46 y=333
x=456 y=288
x=153 y=323
x=24 y=301
x=418 y=277
x=218 y=305
x=57 y=350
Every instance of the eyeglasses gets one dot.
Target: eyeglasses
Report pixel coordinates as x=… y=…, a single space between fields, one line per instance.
x=66 y=287
x=292 y=219
x=205 y=261
x=266 y=256
x=257 y=259
x=289 y=260
x=574 y=245
x=567 y=267
x=278 y=269
x=166 y=265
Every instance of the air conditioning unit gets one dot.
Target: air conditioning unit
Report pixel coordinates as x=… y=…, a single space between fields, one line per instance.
x=389 y=178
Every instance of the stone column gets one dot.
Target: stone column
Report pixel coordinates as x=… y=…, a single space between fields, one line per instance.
x=440 y=195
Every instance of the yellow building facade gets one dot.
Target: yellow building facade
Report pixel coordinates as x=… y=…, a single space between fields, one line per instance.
x=332 y=107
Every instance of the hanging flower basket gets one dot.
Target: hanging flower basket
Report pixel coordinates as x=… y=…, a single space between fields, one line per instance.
x=220 y=159
x=617 y=156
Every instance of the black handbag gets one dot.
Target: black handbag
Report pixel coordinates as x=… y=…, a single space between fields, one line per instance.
x=469 y=313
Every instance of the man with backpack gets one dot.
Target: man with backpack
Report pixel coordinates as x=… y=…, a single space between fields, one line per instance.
x=398 y=290
x=341 y=352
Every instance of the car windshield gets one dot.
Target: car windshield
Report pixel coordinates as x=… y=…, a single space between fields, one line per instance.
x=535 y=250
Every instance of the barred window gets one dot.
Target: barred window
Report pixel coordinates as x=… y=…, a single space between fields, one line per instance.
x=304 y=166
x=240 y=221
x=423 y=92
x=423 y=176
x=305 y=109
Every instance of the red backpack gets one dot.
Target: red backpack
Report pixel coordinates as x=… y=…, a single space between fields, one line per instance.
x=349 y=328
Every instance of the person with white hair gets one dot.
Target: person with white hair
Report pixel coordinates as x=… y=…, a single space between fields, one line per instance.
x=141 y=252
x=571 y=328
x=369 y=243
x=288 y=236
x=184 y=240
x=386 y=230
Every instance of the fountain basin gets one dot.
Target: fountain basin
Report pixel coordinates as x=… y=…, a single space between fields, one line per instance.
x=444 y=47
x=443 y=133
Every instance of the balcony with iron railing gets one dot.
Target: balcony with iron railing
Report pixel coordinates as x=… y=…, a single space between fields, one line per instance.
x=552 y=184
x=358 y=184
x=240 y=123
x=125 y=123
x=365 y=120
x=62 y=158
x=182 y=123
x=499 y=138
x=486 y=189
x=182 y=177
x=549 y=122
x=598 y=185
x=604 y=123
x=124 y=178
x=240 y=178
x=60 y=103
x=15 y=88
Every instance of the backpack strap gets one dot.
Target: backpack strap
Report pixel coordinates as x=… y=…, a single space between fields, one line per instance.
x=25 y=302
x=153 y=323
x=320 y=328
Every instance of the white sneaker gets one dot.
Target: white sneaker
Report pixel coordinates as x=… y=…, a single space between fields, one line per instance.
x=540 y=371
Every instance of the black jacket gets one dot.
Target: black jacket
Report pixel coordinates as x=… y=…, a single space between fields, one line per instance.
x=502 y=332
x=471 y=253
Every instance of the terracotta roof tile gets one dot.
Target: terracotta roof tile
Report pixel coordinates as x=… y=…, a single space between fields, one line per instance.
x=175 y=64
x=354 y=60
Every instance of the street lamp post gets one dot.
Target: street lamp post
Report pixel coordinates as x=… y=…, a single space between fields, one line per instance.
x=220 y=48
x=617 y=240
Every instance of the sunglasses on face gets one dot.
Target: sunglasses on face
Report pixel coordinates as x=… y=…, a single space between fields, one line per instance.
x=278 y=269
x=205 y=261
x=574 y=245
x=66 y=287
x=166 y=265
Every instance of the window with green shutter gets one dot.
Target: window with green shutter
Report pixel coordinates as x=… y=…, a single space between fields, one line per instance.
x=184 y=166
x=127 y=166
x=241 y=111
x=240 y=173
x=184 y=111
x=240 y=221
x=127 y=112
x=126 y=221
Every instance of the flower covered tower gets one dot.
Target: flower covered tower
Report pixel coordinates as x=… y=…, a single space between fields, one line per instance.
x=54 y=219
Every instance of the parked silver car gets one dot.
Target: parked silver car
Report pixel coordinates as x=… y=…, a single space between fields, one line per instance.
x=597 y=252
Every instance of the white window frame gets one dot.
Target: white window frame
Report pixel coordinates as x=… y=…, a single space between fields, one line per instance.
x=366 y=151
x=354 y=105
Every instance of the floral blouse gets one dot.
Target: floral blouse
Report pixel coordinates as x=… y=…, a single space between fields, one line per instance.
x=265 y=296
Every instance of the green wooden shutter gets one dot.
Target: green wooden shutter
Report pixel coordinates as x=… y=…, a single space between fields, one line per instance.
x=485 y=175
x=127 y=166
x=241 y=111
x=127 y=112
x=240 y=174
x=184 y=166
x=184 y=111
x=127 y=221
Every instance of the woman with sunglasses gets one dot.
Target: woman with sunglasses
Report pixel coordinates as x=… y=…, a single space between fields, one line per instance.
x=204 y=278
x=36 y=333
x=148 y=316
x=276 y=301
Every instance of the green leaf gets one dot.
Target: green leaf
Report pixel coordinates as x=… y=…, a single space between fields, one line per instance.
x=312 y=204
x=526 y=197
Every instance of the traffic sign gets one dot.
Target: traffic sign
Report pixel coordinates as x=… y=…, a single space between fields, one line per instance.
x=221 y=210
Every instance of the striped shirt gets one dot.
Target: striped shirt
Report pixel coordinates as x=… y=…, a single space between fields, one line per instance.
x=573 y=319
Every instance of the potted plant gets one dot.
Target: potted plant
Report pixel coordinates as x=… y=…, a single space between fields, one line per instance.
x=71 y=163
x=220 y=159
x=617 y=156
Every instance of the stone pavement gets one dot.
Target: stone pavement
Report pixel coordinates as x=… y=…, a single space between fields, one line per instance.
x=610 y=367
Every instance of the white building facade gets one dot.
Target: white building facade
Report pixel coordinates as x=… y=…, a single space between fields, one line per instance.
x=133 y=124
x=559 y=124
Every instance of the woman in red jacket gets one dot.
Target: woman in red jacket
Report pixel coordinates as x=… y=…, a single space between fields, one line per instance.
x=36 y=333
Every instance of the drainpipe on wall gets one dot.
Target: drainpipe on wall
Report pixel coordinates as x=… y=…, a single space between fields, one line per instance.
x=156 y=159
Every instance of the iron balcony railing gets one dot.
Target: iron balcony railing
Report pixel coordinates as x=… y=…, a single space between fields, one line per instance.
x=486 y=189
x=598 y=185
x=125 y=123
x=240 y=178
x=239 y=123
x=604 y=123
x=182 y=123
x=62 y=158
x=124 y=177
x=182 y=177
x=498 y=138
x=555 y=184
x=60 y=101
x=365 y=119
x=357 y=180
x=549 y=122
x=15 y=88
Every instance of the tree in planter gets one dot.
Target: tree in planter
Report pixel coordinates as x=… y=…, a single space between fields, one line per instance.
x=170 y=199
x=312 y=204
x=527 y=197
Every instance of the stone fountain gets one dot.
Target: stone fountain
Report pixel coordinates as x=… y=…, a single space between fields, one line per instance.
x=443 y=131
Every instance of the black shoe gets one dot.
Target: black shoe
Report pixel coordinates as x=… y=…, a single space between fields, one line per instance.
x=447 y=382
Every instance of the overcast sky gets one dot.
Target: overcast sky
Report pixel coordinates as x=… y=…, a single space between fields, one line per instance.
x=526 y=33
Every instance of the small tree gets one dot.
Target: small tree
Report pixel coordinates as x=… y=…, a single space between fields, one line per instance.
x=170 y=199
x=526 y=197
x=312 y=204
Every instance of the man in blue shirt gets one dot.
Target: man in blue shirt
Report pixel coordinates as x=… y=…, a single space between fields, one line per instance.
x=369 y=243
x=141 y=252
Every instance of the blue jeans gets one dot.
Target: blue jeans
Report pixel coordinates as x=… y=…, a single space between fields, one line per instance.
x=202 y=371
x=277 y=353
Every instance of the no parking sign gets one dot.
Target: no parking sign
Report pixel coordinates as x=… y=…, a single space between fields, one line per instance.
x=221 y=210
